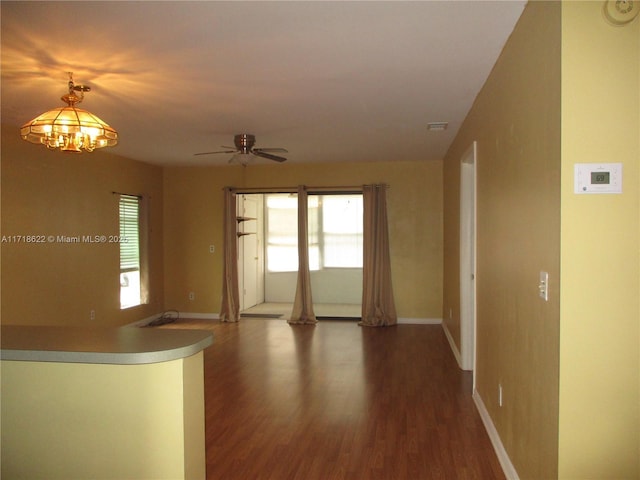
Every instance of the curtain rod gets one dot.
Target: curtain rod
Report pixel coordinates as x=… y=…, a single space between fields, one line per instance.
x=310 y=189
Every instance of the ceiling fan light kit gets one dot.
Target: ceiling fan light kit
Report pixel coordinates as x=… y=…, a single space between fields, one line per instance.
x=69 y=128
x=242 y=158
x=244 y=152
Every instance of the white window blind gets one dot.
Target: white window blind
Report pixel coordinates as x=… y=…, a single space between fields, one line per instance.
x=129 y=233
x=130 y=278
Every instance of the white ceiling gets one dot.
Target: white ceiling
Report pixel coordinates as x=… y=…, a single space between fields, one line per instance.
x=329 y=81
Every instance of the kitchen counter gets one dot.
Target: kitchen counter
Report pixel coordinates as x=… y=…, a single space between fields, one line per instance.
x=122 y=346
x=108 y=403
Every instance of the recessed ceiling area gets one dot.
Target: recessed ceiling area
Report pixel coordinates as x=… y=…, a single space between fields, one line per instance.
x=329 y=81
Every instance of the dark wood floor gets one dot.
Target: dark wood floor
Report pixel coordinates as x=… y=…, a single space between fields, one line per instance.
x=338 y=401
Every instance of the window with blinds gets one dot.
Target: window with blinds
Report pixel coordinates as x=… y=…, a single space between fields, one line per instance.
x=129 y=214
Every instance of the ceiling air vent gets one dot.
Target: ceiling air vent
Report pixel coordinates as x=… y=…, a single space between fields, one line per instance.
x=437 y=126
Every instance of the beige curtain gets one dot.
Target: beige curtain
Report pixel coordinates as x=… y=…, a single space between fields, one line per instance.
x=230 y=308
x=303 y=304
x=378 y=306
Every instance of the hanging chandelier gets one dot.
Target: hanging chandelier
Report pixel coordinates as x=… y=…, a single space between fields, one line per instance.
x=69 y=128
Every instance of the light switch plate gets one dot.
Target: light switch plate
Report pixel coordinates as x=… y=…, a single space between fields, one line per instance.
x=543 y=286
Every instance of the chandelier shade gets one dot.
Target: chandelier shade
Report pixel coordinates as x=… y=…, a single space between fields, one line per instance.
x=69 y=128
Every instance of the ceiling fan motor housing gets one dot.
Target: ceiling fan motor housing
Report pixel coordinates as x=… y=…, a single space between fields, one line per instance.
x=244 y=142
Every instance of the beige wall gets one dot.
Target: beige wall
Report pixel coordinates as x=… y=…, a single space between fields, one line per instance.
x=516 y=122
x=50 y=193
x=563 y=91
x=193 y=221
x=600 y=313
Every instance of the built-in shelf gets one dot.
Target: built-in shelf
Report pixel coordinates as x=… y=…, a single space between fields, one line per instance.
x=244 y=219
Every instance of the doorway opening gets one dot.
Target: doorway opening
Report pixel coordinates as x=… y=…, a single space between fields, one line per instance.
x=268 y=254
x=468 y=259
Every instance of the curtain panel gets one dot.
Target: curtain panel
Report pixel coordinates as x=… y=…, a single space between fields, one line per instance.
x=230 y=308
x=378 y=306
x=302 y=312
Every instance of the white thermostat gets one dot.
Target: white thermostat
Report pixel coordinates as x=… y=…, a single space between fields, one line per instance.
x=598 y=178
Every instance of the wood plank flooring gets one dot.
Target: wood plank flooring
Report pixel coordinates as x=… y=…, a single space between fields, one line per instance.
x=338 y=401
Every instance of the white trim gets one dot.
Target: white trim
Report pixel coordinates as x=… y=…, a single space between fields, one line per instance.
x=468 y=221
x=419 y=321
x=144 y=321
x=452 y=344
x=505 y=462
x=200 y=316
x=216 y=316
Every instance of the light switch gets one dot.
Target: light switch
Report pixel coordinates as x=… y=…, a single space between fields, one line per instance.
x=543 y=286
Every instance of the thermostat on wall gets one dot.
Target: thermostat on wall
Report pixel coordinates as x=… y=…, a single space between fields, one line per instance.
x=598 y=178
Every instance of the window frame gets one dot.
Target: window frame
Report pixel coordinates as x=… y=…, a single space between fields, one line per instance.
x=319 y=242
x=132 y=224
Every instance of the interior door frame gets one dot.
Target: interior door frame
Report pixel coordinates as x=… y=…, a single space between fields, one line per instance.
x=468 y=253
x=254 y=259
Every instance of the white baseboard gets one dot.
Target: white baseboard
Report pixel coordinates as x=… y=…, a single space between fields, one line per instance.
x=216 y=316
x=406 y=321
x=452 y=344
x=144 y=321
x=200 y=316
x=419 y=321
x=505 y=462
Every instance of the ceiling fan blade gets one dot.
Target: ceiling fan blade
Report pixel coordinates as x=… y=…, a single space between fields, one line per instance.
x=263 y=154
x=210 y=153
x=282 y=150
x=245 y=154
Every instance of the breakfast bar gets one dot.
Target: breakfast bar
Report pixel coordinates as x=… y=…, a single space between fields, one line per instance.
x=109 y=403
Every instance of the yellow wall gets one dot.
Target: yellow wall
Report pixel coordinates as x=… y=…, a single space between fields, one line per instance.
x=516 y=122
x=71 y=420
x=50 y=193
x=193 y=221
x=600 y=329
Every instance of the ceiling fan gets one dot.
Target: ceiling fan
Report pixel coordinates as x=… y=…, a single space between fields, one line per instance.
x=244 y=151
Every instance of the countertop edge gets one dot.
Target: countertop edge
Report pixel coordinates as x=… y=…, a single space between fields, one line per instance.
x=108 y=358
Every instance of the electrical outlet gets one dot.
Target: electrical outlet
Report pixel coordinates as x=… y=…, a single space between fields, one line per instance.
x=499 y=394
x=212 y=248
x=92 y=315
x=192 y=296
